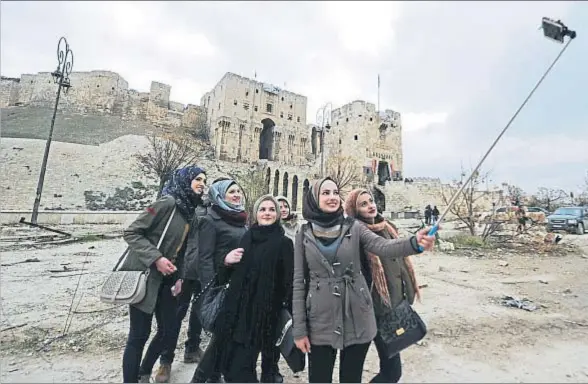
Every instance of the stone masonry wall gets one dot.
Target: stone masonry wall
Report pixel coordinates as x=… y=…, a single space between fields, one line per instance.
x=359 y=131
x=98 y=92
x=239 y=109
x=107 y=176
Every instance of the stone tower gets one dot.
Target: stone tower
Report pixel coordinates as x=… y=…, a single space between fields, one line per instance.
x=251 y=120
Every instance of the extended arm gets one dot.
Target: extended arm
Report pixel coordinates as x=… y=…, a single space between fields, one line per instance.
x=396 y=248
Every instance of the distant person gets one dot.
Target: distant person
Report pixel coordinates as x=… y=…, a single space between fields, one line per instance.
x=521 y=219
x=428 y=214
x=435 y=215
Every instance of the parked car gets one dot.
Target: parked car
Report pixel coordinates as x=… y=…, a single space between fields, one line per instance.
x=570 y=219
x=538 y=210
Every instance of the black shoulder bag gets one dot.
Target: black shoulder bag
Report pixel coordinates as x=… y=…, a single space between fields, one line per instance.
x=210 y=302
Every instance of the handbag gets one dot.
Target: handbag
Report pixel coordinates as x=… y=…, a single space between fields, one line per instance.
x=210 y=302
x=400 y=327
x=294 y=357
x=128 y=287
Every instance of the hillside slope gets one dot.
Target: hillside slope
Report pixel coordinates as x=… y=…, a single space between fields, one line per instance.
x=32 y=122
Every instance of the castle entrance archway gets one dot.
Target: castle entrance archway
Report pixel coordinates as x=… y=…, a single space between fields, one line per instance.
x=383 y=172
x=266 y=140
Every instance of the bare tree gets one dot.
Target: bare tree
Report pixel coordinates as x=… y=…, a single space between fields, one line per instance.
x=583 y=197
x=515 y=193
x=466 y=207
x=343 y=171
x=166 y=153
x=548 y=198
x=200 y=130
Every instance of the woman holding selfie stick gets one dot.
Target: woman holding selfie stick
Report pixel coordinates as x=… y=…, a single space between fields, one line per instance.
x=332 y=304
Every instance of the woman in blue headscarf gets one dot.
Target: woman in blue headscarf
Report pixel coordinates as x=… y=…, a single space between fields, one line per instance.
x=219 y=234
x=167 y=219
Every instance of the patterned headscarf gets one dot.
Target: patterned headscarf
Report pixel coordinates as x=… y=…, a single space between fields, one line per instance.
x=180 y=187
x=216 y=195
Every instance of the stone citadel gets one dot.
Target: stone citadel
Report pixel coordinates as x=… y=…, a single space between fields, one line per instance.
x=250 y=121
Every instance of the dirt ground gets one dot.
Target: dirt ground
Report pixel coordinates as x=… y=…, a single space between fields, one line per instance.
x=471 y=338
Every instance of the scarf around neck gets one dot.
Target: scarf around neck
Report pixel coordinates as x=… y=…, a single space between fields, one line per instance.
x=180 y=187
x=324 y=225
x=231 y=213
x=255 y=295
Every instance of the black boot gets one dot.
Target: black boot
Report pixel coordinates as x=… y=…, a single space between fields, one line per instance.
x=272 y=378
x=198 y=377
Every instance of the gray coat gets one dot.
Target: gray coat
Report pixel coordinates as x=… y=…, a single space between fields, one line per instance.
x=142 y=237
x=216 y=238
x=338 y=309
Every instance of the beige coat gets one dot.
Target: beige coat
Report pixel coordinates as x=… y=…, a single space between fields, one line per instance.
x=338 y=309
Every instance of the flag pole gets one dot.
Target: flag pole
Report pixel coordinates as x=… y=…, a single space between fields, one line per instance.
x=378 y=93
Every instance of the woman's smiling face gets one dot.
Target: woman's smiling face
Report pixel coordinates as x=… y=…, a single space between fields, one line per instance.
x=366 y=207
x=329 y=199
x=234 y=195
x=266 y=213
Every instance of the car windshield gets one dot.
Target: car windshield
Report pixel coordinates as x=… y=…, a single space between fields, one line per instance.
x=567 y=211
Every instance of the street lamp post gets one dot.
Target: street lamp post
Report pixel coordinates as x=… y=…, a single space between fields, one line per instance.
x=61 y=78
x=323 y=117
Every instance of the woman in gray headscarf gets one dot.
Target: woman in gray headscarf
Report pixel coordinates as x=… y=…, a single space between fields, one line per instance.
x=290 y=221
x=219 y=233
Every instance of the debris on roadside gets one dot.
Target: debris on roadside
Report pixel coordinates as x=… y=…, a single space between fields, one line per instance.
x=446 y=246
x=510 y=301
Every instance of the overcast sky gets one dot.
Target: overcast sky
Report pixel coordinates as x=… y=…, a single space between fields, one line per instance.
x=455 y=71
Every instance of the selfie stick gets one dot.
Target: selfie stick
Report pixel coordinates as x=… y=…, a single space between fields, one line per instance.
x=554 y=30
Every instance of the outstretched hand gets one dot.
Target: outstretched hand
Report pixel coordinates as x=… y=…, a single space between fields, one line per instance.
x=424 y=240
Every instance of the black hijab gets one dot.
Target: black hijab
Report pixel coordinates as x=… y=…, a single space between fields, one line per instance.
x=311 y=211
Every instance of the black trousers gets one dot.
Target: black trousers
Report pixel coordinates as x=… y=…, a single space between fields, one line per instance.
x=208 y=368
x=189 y=288
x=390 y=368
x=140 y=329
x=321 y=361
x=269 y=362
x=242 y=368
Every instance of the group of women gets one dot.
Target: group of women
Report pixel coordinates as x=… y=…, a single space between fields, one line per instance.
x=330 y=273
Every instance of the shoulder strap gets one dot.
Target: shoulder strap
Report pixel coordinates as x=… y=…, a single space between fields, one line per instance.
x=120 y=259
x=126 y=252
x=166 y=227
x=305 y=262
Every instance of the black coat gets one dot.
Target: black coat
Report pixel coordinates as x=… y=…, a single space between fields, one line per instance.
x=216 y=238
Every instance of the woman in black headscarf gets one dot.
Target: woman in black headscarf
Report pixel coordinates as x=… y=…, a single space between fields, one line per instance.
x=260 y=286
x=332 y=304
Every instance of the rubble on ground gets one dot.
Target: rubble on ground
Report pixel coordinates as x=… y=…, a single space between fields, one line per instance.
x=446 y=246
